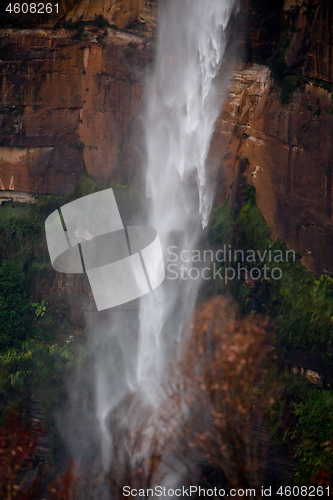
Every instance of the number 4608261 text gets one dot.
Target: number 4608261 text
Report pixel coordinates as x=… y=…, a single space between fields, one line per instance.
x=32 y=8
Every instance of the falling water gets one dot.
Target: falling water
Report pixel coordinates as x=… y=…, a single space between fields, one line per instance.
x=184 y=99
x=184 y=96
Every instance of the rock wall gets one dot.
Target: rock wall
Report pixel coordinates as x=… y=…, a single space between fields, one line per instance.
x=66 y=105
x=121 y=13
x=70 y=98
x=286 y=152
x=285 y=149
x=311 y=46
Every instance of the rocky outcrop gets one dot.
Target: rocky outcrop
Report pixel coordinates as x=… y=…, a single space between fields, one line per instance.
x=311 y=367
x=70 y=97
x=285 y=148
x=67 y=102
x=121 y=13
x=16 y=196
x=310 y=39
x=286 y=152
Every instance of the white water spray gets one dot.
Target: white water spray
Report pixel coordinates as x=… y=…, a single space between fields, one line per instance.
x=184 y=99
x=184 y=96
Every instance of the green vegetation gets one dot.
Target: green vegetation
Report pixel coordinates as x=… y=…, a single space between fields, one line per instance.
x=289 y=80
x=128 y=199
x=318 y=111
x=300 y=308
x=78 y=145
x=313 y=430
x=14 y=304
x=22 y=231
x=38 y=328
x=34 y=322
x=289 y=85
x=40 y=308
x=299 y=304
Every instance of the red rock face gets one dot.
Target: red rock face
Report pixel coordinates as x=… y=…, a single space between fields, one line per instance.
x=69 y=102
x=312 y=40
x=121 y=13
x=286 y=152
x=66 y=105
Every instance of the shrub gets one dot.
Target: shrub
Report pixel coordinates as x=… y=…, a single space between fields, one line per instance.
x=300 y=308
x=312 y=429
x=299 y=305
x=14 y=305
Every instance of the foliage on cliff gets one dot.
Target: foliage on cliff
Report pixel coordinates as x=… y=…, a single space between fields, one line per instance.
x=300 y=308
x=14 y=305
x=36 y=347
x=312 y=428
x=299 y=303
x=42 y=329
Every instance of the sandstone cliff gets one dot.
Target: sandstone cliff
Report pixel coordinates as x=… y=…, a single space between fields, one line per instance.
x=277 y=132
x=66 y=105
x=70 y=97
x=286 y=152
x=121 y=13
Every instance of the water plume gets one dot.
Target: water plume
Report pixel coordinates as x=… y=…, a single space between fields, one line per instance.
x=184 y=96
x=130 y=349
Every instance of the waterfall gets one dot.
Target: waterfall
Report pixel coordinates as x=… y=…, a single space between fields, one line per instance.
x=184 y=98
x=132 y=345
